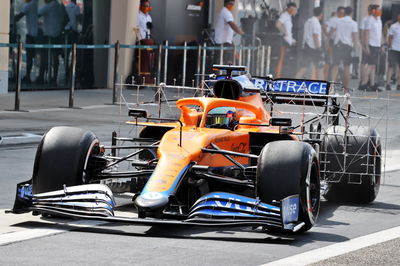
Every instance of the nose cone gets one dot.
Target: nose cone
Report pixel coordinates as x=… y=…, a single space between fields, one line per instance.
x=151 y=201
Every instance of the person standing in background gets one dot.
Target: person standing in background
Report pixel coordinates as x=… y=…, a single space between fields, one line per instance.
x=394 y=52
x=364 y=56
x=30 y=11
x=73 y=12
x=312 y=46
x=345 y=30
x=53 y=14
x=330 y=39
x=372 y=45
x=144 y=20
x=285 y=25
x=224 y=29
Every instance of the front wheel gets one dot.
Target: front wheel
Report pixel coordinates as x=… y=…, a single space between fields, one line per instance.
x=62 y=158
x=288 y=168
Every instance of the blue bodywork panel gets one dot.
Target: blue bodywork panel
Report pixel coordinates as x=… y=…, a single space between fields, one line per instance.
x=221 y=205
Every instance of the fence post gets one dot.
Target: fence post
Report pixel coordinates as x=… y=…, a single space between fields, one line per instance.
x=268 y=60
x=221 y=55
x=73 y=74
x=240 y=56
x=249 y=60
x=198 y=65
x=66 y=60
x=166 y=62
x=116 y=57
x=159 y=64
x=258 y=60
x=184 y=64
x=262 y=69
x=18 y=83
x=234 y=55
x=113 y=143
x=203 y=68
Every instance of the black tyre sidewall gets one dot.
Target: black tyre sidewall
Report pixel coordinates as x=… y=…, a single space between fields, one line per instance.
x=343 y=190
x=61 y=158
x=282 y=171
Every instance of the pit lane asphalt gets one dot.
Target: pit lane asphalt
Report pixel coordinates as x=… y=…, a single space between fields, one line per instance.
x=127 y=244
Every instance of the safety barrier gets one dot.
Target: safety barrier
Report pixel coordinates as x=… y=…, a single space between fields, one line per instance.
x=261 y=66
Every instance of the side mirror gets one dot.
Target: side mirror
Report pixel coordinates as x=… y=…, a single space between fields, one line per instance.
x=281 y=122
x=137 y=113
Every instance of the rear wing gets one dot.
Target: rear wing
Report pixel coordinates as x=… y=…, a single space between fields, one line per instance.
x=294 y=91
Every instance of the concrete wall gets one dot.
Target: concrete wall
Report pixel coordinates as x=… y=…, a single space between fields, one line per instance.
x=101 y=35
x=174 y=23
x=4 y=38
x=123 y=19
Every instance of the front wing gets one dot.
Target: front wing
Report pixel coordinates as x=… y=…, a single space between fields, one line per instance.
x=216 y=209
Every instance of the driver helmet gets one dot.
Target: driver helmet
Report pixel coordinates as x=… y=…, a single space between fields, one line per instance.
x=221 y=116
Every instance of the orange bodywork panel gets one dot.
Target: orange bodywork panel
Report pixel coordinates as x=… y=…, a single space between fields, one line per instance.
x=174 y=159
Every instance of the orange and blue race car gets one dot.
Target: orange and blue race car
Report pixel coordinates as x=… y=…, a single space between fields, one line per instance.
x=230 y=160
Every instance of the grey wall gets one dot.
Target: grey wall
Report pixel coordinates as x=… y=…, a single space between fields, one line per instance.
x=174 y=23
x=101 y=22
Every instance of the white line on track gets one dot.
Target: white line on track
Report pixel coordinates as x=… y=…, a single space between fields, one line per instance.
x=334 y=250
x=13 y=237
x=57 y=109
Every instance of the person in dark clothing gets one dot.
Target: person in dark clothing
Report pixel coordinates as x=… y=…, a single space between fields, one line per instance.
x=30 y=11
x=53 y=14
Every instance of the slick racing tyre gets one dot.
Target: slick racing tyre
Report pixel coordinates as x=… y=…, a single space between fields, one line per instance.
x=288 y=168
x=61 y=158
x=353 y=174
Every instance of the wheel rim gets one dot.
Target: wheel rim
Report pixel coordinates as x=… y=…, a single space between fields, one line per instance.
x=94 y=144
x=312 y=191
x=377 y=170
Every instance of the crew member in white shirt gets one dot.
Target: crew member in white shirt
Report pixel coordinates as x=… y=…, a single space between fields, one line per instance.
x=329 y=40
x=144 y=20
x=345 y=30
x=372 y=44
x=364 y=56
x=331 y=21
x=312 y=46
x=285 y=25
x=225 y=27
x=30 y=11
x=394 y=52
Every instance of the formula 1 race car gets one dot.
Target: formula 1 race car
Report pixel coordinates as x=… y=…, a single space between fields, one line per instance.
x=230 y=160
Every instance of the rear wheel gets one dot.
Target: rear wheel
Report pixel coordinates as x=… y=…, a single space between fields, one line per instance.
x=352 y=164
x=288 y=168
x=61 y=158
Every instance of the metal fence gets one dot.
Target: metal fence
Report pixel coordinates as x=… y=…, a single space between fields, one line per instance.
x=255 y=58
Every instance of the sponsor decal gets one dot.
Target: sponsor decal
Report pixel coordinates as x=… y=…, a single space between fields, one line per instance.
x=25 y=192
x=290 y=209
x=239 y=148
x=292 y=86
x=152 y=195
x=230 y=205
x=225 y=200
x=222 y=139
